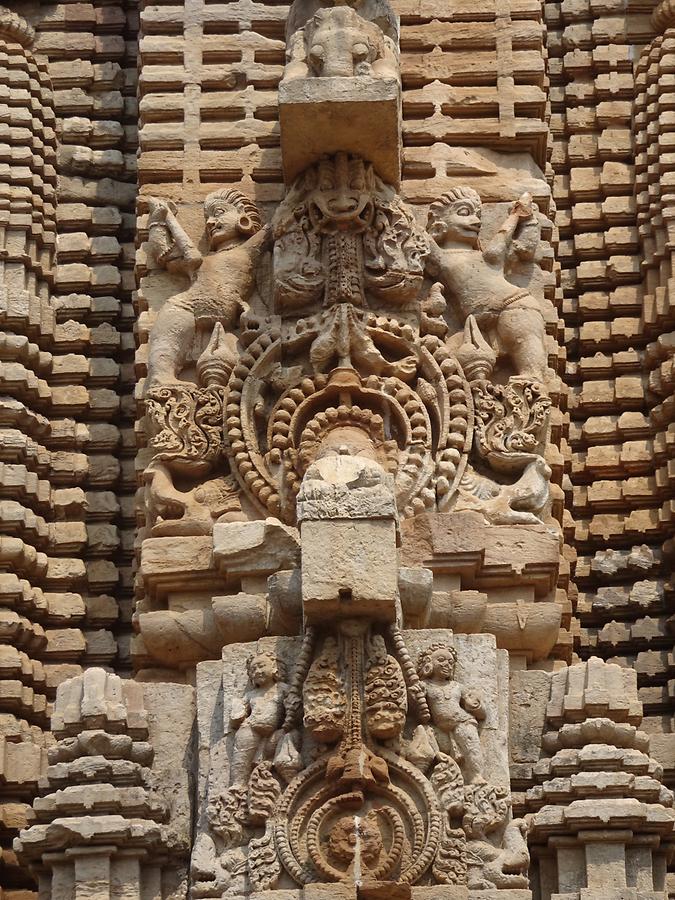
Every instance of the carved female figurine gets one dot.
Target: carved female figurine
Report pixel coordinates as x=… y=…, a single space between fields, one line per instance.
x=455 y=711
x=222 y=282
x=474 y=276
x=257 y=717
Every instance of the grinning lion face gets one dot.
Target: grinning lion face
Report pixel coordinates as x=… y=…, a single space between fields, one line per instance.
x=353 y=834
x=341 y=196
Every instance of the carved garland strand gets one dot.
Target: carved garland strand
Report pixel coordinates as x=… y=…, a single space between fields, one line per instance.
x=257 y=481
x=294 y=696
x=453 y=457
x=412 y=679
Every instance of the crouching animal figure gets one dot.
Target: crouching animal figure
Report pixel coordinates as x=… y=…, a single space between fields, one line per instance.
x=500 y=867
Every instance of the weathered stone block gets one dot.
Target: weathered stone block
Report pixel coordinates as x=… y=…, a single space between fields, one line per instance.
x=360 y=115
x=349 y=568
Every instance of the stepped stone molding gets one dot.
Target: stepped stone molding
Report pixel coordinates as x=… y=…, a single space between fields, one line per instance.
x=604 y=819
x=104 y=822
x=31 y=540
x=336 y=479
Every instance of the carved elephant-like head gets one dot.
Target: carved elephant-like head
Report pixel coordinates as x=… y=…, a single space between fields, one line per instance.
x=339 y=43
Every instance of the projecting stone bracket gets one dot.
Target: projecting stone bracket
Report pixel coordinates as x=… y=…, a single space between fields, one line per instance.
x=363 y=118
x=202 y=592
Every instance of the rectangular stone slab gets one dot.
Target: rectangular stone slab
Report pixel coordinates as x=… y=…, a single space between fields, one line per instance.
x=183 y=564
x=360 y=115
x=349 y=568
x=486 y=556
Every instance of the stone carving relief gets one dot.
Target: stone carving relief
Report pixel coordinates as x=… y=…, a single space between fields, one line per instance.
x=359 y=338
x=348 y=271
x=323 y=695
x=344 y=236
x=257 y=718
x=185 y=414
x=341 y=88
x=473 y=275
x=378 y=12
x=509 y=439
x=390 y=780
x=505 y=867
x=221 y=283
x=349 y=284
x=507 y=480
x=455 y=711
x=187 y=444
x=338 y=42
x=386 y=700
x=376 y=352
x=241 y=801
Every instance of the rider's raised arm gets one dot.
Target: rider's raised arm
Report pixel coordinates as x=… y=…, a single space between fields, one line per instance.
x=173 y=249
x=499 y=247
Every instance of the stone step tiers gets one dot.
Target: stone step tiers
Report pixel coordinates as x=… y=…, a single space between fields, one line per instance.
x=113 y=813
x=604 y=821
x=60 y=442
x=610 y=128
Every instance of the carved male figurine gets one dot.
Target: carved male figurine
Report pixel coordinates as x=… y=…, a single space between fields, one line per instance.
x=454 y=709
x=257 y=717
x=222 y=282
x=474 y=277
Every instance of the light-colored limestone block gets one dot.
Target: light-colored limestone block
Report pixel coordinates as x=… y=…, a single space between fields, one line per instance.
x=360 y=115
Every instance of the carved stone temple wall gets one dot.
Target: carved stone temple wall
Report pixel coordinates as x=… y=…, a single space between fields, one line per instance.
x=336 y=450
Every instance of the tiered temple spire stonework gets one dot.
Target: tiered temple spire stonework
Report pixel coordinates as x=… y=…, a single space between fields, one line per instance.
x=336 y=465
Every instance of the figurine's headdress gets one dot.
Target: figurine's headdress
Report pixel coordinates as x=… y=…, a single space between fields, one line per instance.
x=280 y=669
x=439 y=206
x=250 y=220
x=425 y=664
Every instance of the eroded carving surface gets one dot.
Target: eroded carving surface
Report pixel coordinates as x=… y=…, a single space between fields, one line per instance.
x=362 y=383
x=337 y=42
x=362 y=340
x=360 y=780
